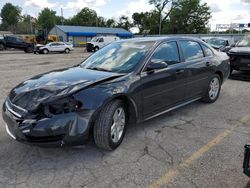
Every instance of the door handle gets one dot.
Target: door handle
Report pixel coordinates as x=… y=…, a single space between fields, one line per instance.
x=208 y=64
x=179 y=71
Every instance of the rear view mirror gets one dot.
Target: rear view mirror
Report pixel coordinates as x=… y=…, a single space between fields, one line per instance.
x=156 y=65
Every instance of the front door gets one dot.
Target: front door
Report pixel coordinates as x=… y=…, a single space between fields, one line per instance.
x=163 y=88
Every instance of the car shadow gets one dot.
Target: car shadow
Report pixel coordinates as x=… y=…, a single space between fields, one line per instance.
x=248 y=184
x=21 y=158
x=132 y=129
x=13 y=52
x=240 y=75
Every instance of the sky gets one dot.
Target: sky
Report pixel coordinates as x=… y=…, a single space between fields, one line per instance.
x=223 y=11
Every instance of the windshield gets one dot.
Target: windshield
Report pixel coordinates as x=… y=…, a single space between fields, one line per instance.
x=245 y=42
x=216 y=42
x=95 y=39
x=120 y=57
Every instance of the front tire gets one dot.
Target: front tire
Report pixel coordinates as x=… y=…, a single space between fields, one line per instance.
x=213 y=90
x=2 y=47
x=96 y=48
x=45 y=51
x=67 y=50
x=110 y=126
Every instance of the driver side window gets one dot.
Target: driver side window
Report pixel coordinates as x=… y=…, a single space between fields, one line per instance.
x=167 y=52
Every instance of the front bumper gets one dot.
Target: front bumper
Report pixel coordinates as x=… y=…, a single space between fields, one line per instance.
x=240 y=62
x=37 y=50
x=60 y=130
x=89 y=47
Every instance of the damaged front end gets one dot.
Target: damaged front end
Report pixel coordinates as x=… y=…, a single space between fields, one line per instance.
x=56 y=108
x=61 y=122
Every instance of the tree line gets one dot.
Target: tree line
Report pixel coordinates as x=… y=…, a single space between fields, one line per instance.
x=168 y=17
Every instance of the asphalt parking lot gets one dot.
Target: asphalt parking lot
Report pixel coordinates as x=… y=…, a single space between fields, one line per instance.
x=200 y=145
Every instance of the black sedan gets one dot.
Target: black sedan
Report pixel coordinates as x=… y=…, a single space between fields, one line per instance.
x=240 y=55
x=125 y=82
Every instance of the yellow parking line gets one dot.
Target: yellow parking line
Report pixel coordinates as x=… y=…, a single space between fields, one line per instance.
x=166 y=178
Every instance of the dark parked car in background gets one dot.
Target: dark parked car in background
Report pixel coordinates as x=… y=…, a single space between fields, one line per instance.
x=125 y=82
x=221 y=44
x=240 y=55
x=17 y=43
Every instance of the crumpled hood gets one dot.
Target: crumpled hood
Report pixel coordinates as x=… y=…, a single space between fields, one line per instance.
x=44 y=87
x=245 y=50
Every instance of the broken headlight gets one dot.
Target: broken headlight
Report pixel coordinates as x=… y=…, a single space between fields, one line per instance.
x=65 y=105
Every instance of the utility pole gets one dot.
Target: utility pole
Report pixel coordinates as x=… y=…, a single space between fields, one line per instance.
x=31 y=28
x=160 y=24
x=62 y=16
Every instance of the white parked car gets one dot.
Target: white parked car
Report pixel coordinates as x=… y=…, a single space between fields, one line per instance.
x=99 y=42
x=53 y=47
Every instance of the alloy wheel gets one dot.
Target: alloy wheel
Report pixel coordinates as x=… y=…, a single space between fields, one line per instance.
x=118 y=125
x=214 y=88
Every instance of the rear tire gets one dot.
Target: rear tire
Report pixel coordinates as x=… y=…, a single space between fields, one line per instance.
x=110 y=125
x=213 y=89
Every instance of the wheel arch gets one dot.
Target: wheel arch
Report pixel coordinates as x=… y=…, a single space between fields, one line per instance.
x=131 y=107
x=220 y=75
x=131 y=110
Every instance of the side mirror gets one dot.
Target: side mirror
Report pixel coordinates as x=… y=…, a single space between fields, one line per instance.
x=152 y=66
x=233 y=45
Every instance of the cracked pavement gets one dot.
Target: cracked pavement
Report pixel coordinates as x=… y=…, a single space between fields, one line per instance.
x=149 y=150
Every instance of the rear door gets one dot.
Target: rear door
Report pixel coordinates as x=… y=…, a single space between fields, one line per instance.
x=165 y=87
x=61 y=47
x=198 y=67
x=10 y=42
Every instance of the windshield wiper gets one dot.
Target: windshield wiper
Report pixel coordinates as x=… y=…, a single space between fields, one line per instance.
x=99 y=69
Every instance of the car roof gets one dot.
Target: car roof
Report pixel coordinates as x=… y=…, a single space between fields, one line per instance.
x=218 y=38
x=159 y=39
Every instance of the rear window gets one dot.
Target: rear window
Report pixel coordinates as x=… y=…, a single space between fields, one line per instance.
x=191 y=50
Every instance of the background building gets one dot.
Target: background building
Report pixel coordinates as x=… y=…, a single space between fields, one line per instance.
x=79 y=35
